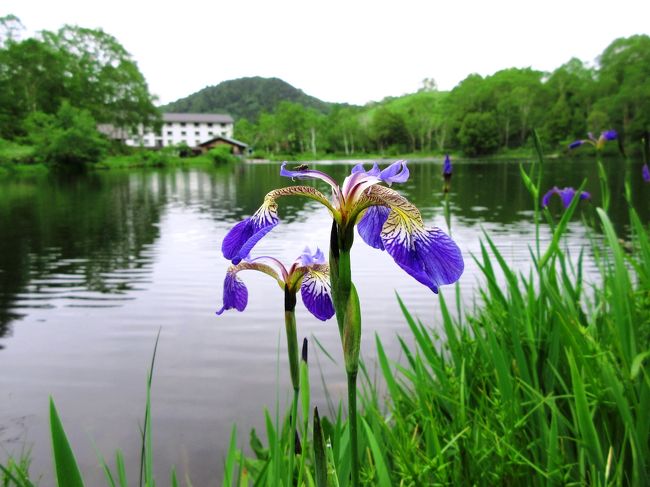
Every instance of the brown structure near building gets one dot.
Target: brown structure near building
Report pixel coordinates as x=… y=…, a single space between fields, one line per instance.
x=236 y=147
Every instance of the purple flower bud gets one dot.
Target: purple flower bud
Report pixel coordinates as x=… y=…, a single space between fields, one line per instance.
x=645 y=172
x=576 y=143
x=446 y=168
x=304 y=350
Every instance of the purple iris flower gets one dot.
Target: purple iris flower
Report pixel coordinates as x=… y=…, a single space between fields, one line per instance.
x=566 y=195
x=309 y=272
x=609 y=135
x=386 y=220
x=645 y=172
x=598 y=143
x=446 y=167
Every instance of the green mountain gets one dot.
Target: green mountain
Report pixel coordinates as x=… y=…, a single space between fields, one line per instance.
x=244 y=98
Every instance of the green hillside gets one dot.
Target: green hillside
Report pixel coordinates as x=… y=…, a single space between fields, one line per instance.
x=245 y=98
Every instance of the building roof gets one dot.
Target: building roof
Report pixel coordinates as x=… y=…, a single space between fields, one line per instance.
x=225 y=139
x=197 y=117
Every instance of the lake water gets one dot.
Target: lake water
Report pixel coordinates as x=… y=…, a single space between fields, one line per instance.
x=92 y=267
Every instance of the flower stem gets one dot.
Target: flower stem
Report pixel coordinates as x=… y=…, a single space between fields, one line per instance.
x=292 y=349
x=352 y=421
x=348 y=316
x=604 y=186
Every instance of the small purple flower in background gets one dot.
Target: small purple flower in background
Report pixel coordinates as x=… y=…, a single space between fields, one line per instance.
x=309 y=272
x=645 y=172
x=566 y=195
x=446 y=174
x=598 y=143
x=446 y=167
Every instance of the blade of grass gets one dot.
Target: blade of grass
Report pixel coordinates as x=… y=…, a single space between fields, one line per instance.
x=65 y=465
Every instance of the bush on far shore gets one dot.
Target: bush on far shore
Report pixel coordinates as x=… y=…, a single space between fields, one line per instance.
x=222 y=154
x=69 y=138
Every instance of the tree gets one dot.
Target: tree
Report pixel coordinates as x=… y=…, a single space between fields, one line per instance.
x=570 y=94
x=343 y=130
x=102 y=78
x=69 y=138
x=388 y=128
x=479 y=134
x=624 y=86
x=11 y=29
x=32 y=79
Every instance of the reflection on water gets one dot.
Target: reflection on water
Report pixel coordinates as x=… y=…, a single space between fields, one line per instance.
x=91 y=268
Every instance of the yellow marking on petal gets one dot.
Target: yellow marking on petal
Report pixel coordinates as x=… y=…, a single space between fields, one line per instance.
x=254 y=266
x=306 y=191
x=403 y=213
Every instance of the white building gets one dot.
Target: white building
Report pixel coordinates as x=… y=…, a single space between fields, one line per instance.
x=184 y=128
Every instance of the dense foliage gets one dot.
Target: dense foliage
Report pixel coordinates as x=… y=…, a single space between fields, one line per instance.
x=87 y=69
x=245 y=98
x=480 y=116
x=68 y=137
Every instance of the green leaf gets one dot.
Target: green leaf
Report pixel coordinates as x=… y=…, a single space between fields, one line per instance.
x=65 y=465
x=380 y=464
x=229 y=467
x=637 y=363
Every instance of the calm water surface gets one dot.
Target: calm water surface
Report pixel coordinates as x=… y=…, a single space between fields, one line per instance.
x=92 y=267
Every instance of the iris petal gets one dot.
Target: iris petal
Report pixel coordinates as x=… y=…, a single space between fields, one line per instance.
x=427 y=254
x=316 y=292
x=235 y=294
x=309 y=259
x=369 y=227
x=373 y=172
x=645 y=172
x=546 y=198
x=397 y=172
x=566 y=195
x=242 y=237
x=307 y=174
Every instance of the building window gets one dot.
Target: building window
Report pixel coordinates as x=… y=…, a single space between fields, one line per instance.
x=210 y=133
x=209 y=124
x=170 y=142
x=169 y=132
x=183 y=132
x=197 y=133
x=197 y=142
x=196 y=124
x=223 y=125
x=182 y=124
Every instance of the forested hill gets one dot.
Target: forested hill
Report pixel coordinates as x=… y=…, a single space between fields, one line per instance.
x=245 y=98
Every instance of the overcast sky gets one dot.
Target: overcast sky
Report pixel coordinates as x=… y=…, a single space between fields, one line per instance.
x=342 y=51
